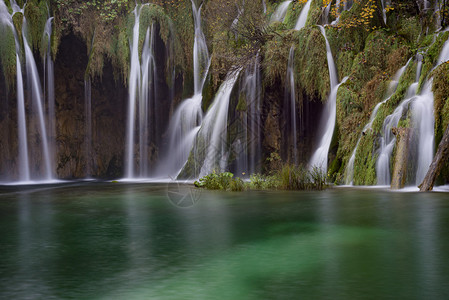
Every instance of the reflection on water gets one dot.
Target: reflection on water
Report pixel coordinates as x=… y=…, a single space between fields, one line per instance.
x=129 y=241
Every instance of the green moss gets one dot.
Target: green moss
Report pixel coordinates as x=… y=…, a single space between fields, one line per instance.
x=8 y=55
x=150 y=14
x=208 y=93
x=365 y=161
x=241 y=105
x=275 y=53
x=36 y=14
x=405 y=81
x=315 y=13
x=120 y=54
x=430 y=57
x=440 y=88
x=311 y=63
x=293 y=14
x=409 y=28
x=346 y=100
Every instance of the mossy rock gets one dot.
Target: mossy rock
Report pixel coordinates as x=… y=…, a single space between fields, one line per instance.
x=208 y=93
x=36 y=14
x=275 y=59
x=8 y=55
x=365 y=161
x=311 y=63
x=293 y=14
x=440 y=88
x=431 y=56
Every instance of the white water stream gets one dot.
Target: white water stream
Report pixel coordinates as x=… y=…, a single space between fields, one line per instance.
x=320 y=156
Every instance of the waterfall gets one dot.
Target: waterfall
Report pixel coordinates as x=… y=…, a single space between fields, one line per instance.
x=213 y=131
x=387 y=140
x=423 y=119
x=384 y=11
x=50 y=78
x=33 y=77
x=280 y=12
x=24 y=165
x=290 y=101
x=347 y=4
x=250 y=149
x=142 y=92
x=186 y=119
x=88 y=125
x=290 y=94
x=201 y=59
x=23 y=160
x=424 y=122
x=319 y=158
x=391 y=89
x=301 y=22
x=134 y=83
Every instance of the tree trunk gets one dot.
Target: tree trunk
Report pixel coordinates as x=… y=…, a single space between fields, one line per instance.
x=439 y=160
x=403 y=136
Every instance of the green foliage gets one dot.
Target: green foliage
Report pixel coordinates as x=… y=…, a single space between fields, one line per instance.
x=220 y=181
x=294 y=177
x=263 y=182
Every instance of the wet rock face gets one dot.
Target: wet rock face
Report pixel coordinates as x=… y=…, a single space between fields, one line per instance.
x=109 y=108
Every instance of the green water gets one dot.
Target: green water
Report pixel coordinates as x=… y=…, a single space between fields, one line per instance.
x=148 y=241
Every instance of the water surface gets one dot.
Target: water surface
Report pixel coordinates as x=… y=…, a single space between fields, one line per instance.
x=148 y=241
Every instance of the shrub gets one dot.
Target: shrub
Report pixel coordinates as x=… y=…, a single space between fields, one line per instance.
x=220 y=181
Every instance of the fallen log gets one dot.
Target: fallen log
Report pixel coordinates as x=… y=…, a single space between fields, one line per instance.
x=441 y=157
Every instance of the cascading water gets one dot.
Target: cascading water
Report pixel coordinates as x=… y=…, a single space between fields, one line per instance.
x=388 y=140
x=24 y=165
x=50 y=80
x=142 y=91
x=147 y=99
x=290 y=101
x=290 y=86
x=385 y=3
x=319 y=158
x=201 y=60
x=187 y=118
x=23 y=160
x=391 y=89
x=33 y=77
x=43 y=163
x=213 y=131
x=88 y=125
x=249 y=151
x=423 y=120
x=301 y=22
x=134 y=83
x=280 y=12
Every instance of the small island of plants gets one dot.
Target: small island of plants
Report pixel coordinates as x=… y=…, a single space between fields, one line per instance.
x=288 y=177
